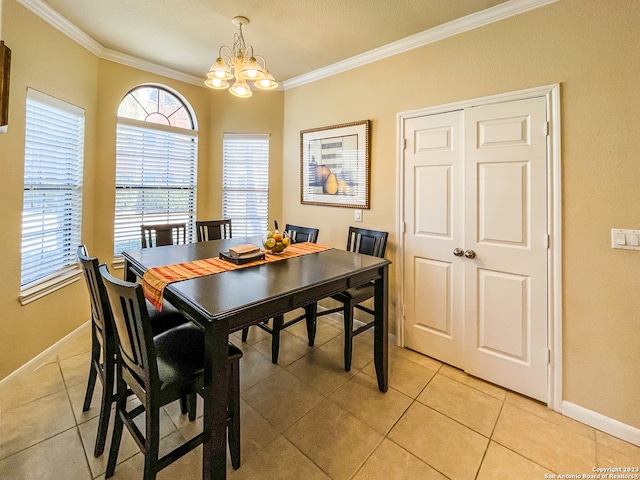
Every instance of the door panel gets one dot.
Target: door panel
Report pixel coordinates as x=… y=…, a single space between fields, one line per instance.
x=433 y=197
x=503 y=315
x=432 y=293
x=497 y=203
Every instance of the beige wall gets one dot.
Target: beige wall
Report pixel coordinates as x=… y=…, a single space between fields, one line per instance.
x=591 y=49
x=45 y=59
x=44 y=65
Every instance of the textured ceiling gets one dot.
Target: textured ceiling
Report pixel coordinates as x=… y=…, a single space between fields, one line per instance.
x=294 y=36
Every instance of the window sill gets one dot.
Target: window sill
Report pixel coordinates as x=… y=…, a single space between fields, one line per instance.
x=118 y=263
x=49 y=285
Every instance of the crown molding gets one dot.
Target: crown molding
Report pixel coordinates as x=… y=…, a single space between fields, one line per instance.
x=502 y=11
x=53 y=18
x=435 y=34
x=150 y=67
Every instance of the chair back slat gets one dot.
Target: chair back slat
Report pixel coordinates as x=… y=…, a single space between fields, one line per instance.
x=213 y=229
x=367 y=242
x=299 y=234
x=133 y=327
x=100 y=309
x=163 y=234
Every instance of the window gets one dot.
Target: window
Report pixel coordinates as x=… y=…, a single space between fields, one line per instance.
x=156 y=160
x=52 y=208
x=245 y=182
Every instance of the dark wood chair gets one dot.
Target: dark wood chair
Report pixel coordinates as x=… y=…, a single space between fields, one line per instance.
x=213 y=229
x=103 y=346
x=297 y=234
x=159 y=370
x=367 y=242
x=163 y=234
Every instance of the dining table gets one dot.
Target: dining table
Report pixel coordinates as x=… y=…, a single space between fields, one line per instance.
x=223 y=303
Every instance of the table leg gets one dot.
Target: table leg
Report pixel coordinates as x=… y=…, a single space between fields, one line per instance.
x=381 y=336
x=311 y=316
x=129 y=276
x=214 y=448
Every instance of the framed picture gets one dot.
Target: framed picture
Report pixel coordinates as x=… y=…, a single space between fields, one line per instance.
x=334 y=165
x=5 y=64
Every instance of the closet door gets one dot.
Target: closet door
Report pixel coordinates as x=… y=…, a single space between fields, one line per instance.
x=475 y=256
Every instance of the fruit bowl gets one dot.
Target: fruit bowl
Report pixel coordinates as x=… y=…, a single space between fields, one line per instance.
x=275 y=242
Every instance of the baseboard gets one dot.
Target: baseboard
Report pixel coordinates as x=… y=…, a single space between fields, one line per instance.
x=44 y=357
x=600 y=422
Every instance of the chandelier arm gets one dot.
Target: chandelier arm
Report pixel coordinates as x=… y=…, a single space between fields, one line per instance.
x=264 y=62
x=224 y=56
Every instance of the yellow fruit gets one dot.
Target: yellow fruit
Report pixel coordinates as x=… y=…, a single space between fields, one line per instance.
x=285 y=241
x=270 y=233
x=331 y=185
x=278 y=247
x=277 y=237
x=269 y=243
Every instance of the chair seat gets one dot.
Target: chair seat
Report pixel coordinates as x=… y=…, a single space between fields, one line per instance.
x=180 y=355
x=356 y=294
x=162 y=321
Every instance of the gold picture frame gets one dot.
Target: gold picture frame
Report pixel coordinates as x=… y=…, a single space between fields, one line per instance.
x=335 y=165
x=5 y=68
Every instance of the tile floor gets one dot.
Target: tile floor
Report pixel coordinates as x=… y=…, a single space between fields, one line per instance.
x=306 y=418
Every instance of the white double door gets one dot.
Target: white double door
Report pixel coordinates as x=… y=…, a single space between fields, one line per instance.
x=476 y=243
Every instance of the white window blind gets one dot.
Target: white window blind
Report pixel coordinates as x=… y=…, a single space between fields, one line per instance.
x=245 y=182
x=52 y=208
x=155 y=179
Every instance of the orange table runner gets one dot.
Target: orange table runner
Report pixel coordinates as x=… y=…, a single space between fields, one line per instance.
x=156 y=279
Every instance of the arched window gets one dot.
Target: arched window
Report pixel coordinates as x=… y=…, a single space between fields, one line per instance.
x=156 y=160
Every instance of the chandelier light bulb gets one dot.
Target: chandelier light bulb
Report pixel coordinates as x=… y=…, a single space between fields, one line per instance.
x=217 y=83
x=241 y=89
x=267 y=82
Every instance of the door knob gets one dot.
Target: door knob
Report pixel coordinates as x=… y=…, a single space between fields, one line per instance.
x=470 y=254
x=458 y=252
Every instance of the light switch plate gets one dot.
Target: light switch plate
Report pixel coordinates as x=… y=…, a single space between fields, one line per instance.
x=625 y=239
x=357 y=215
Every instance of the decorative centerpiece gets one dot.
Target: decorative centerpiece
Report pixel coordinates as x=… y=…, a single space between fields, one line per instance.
x=275 y=241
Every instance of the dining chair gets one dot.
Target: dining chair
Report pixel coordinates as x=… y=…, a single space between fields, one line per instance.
x=159 y=370
x=213 y=229
x=367 y=242
x=103 y=346
x=297 y=234
x=163 y=234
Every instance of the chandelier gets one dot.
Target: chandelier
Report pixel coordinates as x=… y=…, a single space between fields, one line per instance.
x=239 y=66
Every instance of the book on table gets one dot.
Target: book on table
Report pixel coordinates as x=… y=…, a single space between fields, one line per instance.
x=244 y=249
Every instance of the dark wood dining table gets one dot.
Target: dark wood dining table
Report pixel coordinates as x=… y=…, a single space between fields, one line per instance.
x=225 y=302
